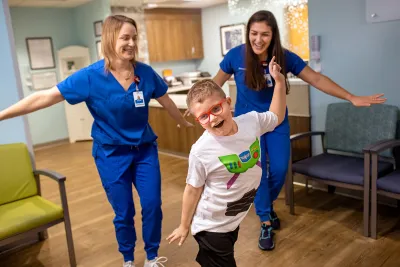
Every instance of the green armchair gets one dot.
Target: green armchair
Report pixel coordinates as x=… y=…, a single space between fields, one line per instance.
x=22 y=209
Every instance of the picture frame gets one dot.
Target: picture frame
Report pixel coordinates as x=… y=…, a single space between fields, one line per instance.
x=98 y=49
x=98 y=28
x=232 y=36
x=40 y=53
x=44 y=80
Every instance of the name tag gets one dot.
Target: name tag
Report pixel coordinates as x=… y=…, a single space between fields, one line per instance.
x=268 y=78
x=138 y=99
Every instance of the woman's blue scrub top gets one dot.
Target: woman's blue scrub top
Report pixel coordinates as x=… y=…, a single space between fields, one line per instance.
x=117 y=121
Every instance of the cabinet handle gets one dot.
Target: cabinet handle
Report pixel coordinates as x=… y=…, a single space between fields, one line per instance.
x=193 y=49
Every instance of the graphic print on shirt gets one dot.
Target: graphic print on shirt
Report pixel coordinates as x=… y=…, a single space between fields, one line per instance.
x=238 y=164
x=241 y=205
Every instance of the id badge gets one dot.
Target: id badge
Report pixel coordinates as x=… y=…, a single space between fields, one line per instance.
x=268 y=78
x=138 y=99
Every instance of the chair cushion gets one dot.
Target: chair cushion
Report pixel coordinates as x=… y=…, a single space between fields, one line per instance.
x=390 y=182
x=337 y=168
x=26 y=214
x=16 y=173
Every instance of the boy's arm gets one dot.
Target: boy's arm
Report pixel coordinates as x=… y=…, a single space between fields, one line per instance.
x=191 y=196
x=278 y=104
x=277 y=110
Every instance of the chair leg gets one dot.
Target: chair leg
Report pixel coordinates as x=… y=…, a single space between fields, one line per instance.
x=43 y=235
x=366 y=210
x=307 y=185
x=67 y=223
x=367 y=188
x=70 y=242
x=287 y=200
x=289 y=179
x=374 y=214
x=291 y=196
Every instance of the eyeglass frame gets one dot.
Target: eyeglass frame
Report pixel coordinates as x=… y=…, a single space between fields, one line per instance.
x=209 y=112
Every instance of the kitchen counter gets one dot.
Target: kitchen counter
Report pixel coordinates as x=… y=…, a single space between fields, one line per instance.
x=179 y=100
x=178 y=88
x=292 y=81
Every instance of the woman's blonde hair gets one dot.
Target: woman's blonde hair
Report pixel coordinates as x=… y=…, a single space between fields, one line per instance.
x=111 y=27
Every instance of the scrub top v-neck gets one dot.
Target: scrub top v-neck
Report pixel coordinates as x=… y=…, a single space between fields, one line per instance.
x=117 y=120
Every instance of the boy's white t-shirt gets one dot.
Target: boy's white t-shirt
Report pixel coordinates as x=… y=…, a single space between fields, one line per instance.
x=229 y=167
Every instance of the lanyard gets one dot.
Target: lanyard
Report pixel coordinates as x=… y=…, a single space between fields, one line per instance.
x=265 y=66
x=136 y=79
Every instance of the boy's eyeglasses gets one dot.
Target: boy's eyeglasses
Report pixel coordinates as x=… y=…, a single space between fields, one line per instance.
x=215 y=110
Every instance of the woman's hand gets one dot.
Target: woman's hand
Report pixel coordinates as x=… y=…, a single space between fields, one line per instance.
x=275 y=71
x=180 y=233
x=366 y=101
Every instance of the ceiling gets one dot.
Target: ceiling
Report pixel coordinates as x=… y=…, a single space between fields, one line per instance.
x=123 y=3
x=47 y=3
x=169 y=3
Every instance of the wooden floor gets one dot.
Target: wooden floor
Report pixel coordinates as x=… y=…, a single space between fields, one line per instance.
x=326 y=230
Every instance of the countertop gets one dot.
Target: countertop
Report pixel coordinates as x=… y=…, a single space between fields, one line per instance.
x=179 y=100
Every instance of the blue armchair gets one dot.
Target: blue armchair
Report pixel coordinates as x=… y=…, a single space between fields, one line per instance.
x=343 y=162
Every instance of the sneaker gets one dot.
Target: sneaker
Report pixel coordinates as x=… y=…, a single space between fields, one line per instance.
x=128 y=264
x=266 y=241
x=275 y=222
x=157 y=262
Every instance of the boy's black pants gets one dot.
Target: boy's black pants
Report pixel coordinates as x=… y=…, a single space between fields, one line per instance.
x=216 y=249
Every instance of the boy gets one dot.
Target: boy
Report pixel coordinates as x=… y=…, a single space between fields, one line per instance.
x=223 y=177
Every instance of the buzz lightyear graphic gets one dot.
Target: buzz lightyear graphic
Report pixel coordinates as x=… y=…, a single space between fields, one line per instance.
x=238 y=164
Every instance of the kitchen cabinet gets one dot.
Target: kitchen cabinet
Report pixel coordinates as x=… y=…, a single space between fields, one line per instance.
x=174 y=34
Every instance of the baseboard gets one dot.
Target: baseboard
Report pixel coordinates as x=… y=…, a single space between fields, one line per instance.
x=51 y=144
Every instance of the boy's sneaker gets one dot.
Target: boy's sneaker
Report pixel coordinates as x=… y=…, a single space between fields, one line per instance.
x=266 y=240
x=157 y=262
x=275 y=222
x=128 y=264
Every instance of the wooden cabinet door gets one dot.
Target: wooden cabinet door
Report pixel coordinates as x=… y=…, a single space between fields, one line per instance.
x=155 y=40
x=174 y=34
x=197 y=38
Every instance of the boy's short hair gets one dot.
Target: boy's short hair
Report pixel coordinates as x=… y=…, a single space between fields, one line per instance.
x=203 y=89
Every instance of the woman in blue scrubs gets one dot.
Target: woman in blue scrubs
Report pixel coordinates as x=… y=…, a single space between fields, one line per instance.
x=248 y=63
x=117 y=91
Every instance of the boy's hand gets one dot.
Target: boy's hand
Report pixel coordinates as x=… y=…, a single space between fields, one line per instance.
x=275 y=71
x=179 y=233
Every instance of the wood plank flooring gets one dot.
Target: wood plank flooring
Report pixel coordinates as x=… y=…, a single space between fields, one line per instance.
x=326 y=230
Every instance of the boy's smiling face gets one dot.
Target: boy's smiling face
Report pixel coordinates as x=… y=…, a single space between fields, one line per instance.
x=214 y=115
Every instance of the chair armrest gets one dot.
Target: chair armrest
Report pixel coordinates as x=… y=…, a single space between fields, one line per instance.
x=51 y=174
x=61 y=185
x=381 y=146
x=298 y=136
x=367 y=148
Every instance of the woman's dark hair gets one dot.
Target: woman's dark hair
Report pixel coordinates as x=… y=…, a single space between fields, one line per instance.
x=254 y=70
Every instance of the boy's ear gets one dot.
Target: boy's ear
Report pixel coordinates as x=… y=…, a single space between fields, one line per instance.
x=228 y=100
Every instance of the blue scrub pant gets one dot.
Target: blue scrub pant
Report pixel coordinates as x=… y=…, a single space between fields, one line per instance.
x=275 y=146
x=119 y=168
